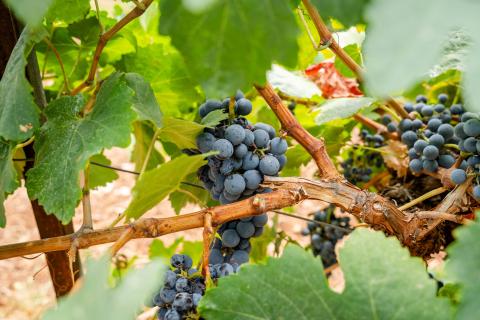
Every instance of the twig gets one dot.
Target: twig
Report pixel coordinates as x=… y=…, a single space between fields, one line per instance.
x=149 y=151
x=306 y=102
x=60 y=62
x=207 y=240
x=378 y=127
x=423 y=197
x=440 y=215
x=390 y=112
x=126 y=236
x=398 y=108
x=97 y=10
x=314 y=146
x=104 y=38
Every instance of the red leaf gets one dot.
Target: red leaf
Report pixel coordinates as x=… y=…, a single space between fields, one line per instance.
x=331 y=82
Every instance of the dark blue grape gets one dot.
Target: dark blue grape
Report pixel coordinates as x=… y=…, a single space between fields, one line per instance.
x=427 y=111
x=421 y=98
x=476 y=192
x=170 y=279
x=436 y=140
x=439 y=108
x=472 y=161
x=386 y=119
x=418 y=107
x=245 y=229
x=235 y=134
x=428 y=133
x=419 y=145
x=430 y=152
x=261 y=138
x=282 y=160
x=234 y=184
x=243 y=107
x=405 y=125
x=224 y=147
x=459 y=132
x=230 y=238
x=472 y=127
x=211 y=105
x=456 y=109
x=260 y=220
x=215 y=256
x=231 y=197
x=183 y=302
x=249 y=138
x=266 y=127
x=202 y=111
x=446 y=130
x=391 y=127
x=417 y=124
x=442 y=98
x=172 y=314
x=269 y=165
x=433 y=124
x=181 y=261
x=416 y=165
x=196 y=297
x=167 y=295
x=412 y=154
x=468 y=115
x=239 y=256
x=430 y=165
x=278 y=146
x=182 y=285
x=239 y=95
x=446 y=161
x=227 y=166
x=470 y=144
x=205 y=142
x=253 y=178
x=408 y=107
x=250 y=161
x=241 y=151
x=409 y=138
x=445 y=116
x=458 y=176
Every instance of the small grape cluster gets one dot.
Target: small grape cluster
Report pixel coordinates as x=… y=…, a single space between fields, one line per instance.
x=246 y=152
x=184 y=286
x=234 y=246
x=323 y=238
x=358 y=166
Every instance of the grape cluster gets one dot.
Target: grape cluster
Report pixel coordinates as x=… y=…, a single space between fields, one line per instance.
x=246 y=153
x=323 y=238
x=234 y=246
x=184 y=286
x=357 y=168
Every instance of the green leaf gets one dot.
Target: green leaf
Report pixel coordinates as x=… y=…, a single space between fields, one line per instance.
x=30 y=12
x=96 y=300
x=144 y=101
x=158 y=249
x=194 y=249
x=413 y=47
x=353 y=50
x=454 y=53
x=463 y=267
x=8 y=175
x=19 y=115
x=181 y=132
x=66 y=141
x=296 y=157
x=232 y=44
x=165 y=69
x=348 y=12
x=294 y=286
x=189 y=194
x=260 y=245
x=214 y=118
x=100 y=176
x=155 y=185
x=68 y=10
x=341 y=108
x=143 y=138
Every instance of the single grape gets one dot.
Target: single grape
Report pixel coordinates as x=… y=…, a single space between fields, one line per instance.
x=269 y=165
x=225 y=269
x=418 y=107
x=459 y=132
x=458 y=176
x=428 y=133
x=182 y=285
x=205 y=142
x=235 y=134
x=476 y=192
x=196 y=297
x=245 y=229
x=266 y=127
x=183 y=302
x=446 y=130
x=408 y=107
x=430 y=165
x=278 y=146
x=445 y=116
x=439 y=108
x=386 y=119
x=409 y=138
x=463 y=165
x=472 y=161
x=167 y=295
x=227 y=166
x=417 y=124
x=456 y=109
x=430 y=152
x=234 y=184
x=202 y=111
x=470 y=144
x=239 y=95
x=405 y=125
x=249 y=138
x=211 y=105
x=416 y=165
x=243 y=107
x=239 y=256
x=427 y=111
x=419 y=145
x=442 y=97
x=170 y=279
x=391 y=127
x=230 y=238
x=240 y=151
x=223 y=200
x=181 y=261
x=433 y=124
x=230 y=197
x=446 y=161
x=412 y=153
x=436 y=140
x=260 y=220
x=215 y=256
x=258 y=232
x=261 y=138
x=224 y=147
x=472 y=127
x=253 y=178
x=282 y=159
x=250 y=161
x=421 y=98
x=161 y=313
x=468 y=115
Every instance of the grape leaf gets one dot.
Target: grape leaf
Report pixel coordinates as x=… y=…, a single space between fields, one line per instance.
x=189 y=194
x=296 y=156
x=143 y=138
x=66 y=141
x=463 y=267
x=30 y=12
x=294 y=286
x=8 y=174
x=95 y=299
x=19 y=115
x=232 y=44
x=100 y=176
x=348 y=12
x=353 y=50
x=181 y=132
x=341 y=108
x=165 y=69
x=68 y=10
x=213 y=118
x=144 y=101
x=155 y=185
x=158 y=249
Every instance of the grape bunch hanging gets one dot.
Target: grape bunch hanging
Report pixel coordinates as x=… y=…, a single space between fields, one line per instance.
x=363 y=159
x=184 y=286
x=437 y=136
x=323 y=238
x=246 y=152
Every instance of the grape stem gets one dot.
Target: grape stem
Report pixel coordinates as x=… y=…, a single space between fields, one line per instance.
x=423 y=197
x=452 y=145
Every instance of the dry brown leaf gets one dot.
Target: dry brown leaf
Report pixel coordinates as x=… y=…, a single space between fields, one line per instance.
x=395 y=157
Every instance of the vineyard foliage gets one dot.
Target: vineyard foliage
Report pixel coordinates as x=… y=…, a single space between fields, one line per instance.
x=145 y=95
